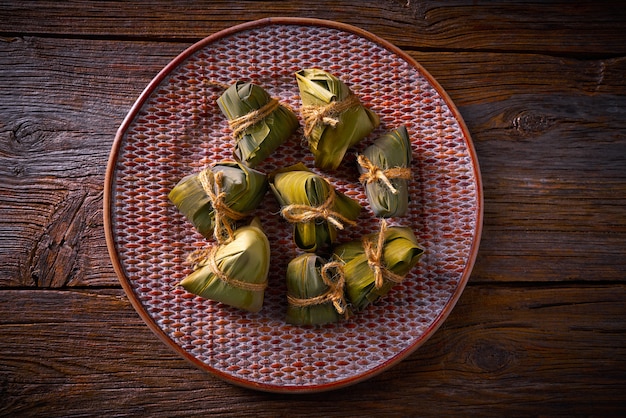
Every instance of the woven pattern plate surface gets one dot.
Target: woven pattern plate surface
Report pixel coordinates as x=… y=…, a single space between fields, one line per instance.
x=176 y=128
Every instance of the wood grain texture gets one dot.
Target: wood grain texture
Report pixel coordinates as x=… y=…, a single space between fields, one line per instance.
x=540 y=329
x=503 y=351
x=551 y=150
x=59 y=112
x=587 y=27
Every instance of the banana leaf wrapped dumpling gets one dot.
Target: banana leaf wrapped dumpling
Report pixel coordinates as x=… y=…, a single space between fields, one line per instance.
x=373 y=265
x=385 y=172
x=234 y=273
x=313 y=205
x=259 y=122
x=215 y=197
x=315 y=291
x=334 y=118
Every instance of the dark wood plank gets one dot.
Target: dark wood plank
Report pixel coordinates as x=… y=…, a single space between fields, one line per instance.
x=587 y=27
x=540 y=329
x=59 y=113
x=516 y=350
x=548 y=132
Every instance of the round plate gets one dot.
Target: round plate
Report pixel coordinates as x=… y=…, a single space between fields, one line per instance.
x=176 y=128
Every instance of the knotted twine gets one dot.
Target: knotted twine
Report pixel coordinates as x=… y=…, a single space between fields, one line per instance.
x=240 y=124
x=375 y=173
x=334 y=294
x=207 y=256
x=212 y=183
x=374 y=253
x=301 y=213
x=313 y=115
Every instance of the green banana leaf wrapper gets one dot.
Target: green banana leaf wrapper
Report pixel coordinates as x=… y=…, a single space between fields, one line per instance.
x=297 y=185
x=400 y=254
x=389 y=152
x=245 y=261
x=255 y=143
x=305 y=283
x=329 y=143
x=244 y=189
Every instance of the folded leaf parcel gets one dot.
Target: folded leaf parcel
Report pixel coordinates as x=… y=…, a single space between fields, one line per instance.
x=233 y=267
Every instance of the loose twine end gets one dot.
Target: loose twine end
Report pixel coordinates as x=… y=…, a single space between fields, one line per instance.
x=374 y=253
x=326 y=115
x=225 y=216
x=240 y=124
x=196 y=257
x=332 y=275
x=374 y=173
x=300 y=213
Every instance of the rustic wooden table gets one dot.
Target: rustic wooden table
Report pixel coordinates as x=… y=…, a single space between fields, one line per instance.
x=541 y=326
